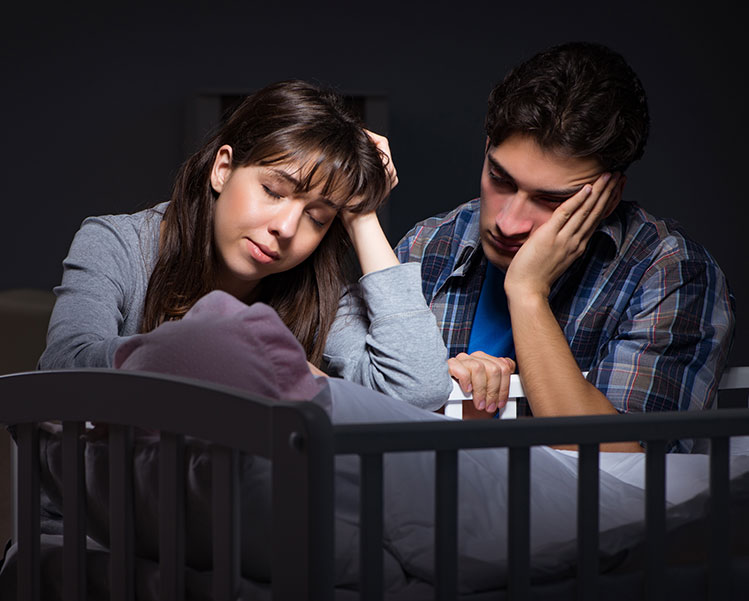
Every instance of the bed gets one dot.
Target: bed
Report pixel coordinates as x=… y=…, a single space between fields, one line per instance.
x=296 y=506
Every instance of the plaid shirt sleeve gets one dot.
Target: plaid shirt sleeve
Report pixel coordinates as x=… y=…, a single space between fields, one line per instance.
x=671 y=346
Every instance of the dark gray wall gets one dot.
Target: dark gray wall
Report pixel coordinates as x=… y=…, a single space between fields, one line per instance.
x=95 y=104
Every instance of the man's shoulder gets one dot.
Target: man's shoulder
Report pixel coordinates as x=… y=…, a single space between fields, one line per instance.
x=452 y=228
x=645 y=235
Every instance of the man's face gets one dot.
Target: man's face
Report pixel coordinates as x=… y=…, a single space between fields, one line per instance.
x=521 y=185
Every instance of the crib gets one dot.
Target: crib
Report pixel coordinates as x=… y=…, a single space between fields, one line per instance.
x=301 y=445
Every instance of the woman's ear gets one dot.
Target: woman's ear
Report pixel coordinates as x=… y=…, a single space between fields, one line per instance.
x=221 y=168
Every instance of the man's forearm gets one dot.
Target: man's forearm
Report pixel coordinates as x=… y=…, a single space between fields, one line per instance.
x=551 y=377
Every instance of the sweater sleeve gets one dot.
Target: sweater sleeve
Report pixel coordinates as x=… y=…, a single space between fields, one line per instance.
x=94 y=299
x=386 y=338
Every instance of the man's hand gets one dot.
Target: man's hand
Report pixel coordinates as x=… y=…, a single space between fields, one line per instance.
x=485 y=376
x=555 y=245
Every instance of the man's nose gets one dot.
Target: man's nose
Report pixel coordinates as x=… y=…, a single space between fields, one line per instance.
x=516 y=217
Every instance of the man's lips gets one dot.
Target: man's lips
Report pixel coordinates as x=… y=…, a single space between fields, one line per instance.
x=261 y=253
x=503 y=244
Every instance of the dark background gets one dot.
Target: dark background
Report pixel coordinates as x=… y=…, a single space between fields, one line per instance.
x=97 y=104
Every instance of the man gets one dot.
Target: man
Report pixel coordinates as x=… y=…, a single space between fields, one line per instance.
x=550 y=266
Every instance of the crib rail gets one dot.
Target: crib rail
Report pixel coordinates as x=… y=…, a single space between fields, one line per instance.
x=296 y=436
x=301 y=442
x=447 y=438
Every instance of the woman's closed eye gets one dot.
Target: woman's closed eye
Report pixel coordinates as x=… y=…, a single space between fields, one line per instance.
x=316 y=221
x=272 y=193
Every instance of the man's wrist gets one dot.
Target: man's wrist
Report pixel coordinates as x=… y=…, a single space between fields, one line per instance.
x=527 y=299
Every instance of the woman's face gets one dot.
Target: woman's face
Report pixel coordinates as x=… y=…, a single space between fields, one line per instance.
x=261 y=224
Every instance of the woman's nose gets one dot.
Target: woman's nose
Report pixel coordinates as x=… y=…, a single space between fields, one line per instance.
x=285 y=222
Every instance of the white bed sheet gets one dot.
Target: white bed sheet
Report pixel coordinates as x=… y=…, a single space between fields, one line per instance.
x=482 y=547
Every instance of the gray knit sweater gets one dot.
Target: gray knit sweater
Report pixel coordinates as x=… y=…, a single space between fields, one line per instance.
x=384 y=335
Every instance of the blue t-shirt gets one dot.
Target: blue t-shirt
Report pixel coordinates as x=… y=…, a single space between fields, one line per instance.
x=491 y=331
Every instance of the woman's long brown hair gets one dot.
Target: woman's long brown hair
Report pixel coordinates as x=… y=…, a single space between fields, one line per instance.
x=290 y=121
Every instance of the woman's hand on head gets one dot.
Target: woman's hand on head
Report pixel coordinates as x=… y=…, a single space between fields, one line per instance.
x=370 y=243
x=387 y=156
x=350 y=218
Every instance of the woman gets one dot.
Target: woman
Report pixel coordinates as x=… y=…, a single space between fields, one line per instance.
x=265 y=211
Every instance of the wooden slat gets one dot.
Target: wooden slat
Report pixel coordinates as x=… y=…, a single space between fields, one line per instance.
x=74 y=512
x=171 y=517
x=370 y=541
x=655 y=520
x=28 y=576
x=446 y=526
x=518 y=524
x=121 y=522
x=303 y=502
x=587 y=523
x=719 y=560
x=225 y=517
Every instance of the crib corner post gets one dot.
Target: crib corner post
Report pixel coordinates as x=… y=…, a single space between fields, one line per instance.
x=302 y=547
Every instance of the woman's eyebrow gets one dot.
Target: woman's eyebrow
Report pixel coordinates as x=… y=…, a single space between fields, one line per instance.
x=285 y=176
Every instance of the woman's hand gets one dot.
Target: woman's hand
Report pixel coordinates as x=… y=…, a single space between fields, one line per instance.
x=316 y=371
x=369 y=241
x=387 y=157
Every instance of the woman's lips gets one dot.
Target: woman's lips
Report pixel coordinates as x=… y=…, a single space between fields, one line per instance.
x=261 y=253
x=504 y=245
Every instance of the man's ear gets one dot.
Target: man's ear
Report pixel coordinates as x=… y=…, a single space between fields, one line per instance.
x=221 y=169
x=617 y=196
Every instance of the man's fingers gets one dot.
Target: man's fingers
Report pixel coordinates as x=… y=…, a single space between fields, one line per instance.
x=487 y=377
x=599 y=207
x=580 y=215
x=460 y=372
x=478 y=383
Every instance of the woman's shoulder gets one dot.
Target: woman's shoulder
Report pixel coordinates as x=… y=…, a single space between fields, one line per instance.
x=140 y=228
x=147 y=218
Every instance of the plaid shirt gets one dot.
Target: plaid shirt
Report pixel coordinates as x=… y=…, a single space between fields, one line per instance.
x=645 y=310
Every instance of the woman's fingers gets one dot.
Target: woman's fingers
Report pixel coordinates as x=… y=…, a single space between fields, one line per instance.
x=316 y=371
x=383 y=146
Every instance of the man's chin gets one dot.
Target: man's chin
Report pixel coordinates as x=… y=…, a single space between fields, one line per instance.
x=501 y=260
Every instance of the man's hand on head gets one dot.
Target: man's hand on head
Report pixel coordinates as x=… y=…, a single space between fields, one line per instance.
x=485 y=376
x=555 y=245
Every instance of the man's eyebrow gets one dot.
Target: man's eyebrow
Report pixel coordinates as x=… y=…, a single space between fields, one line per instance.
x=286 y=176
x=561 y=193
x=497 y=167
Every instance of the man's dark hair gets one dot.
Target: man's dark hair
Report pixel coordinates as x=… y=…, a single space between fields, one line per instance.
x=579 y=98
